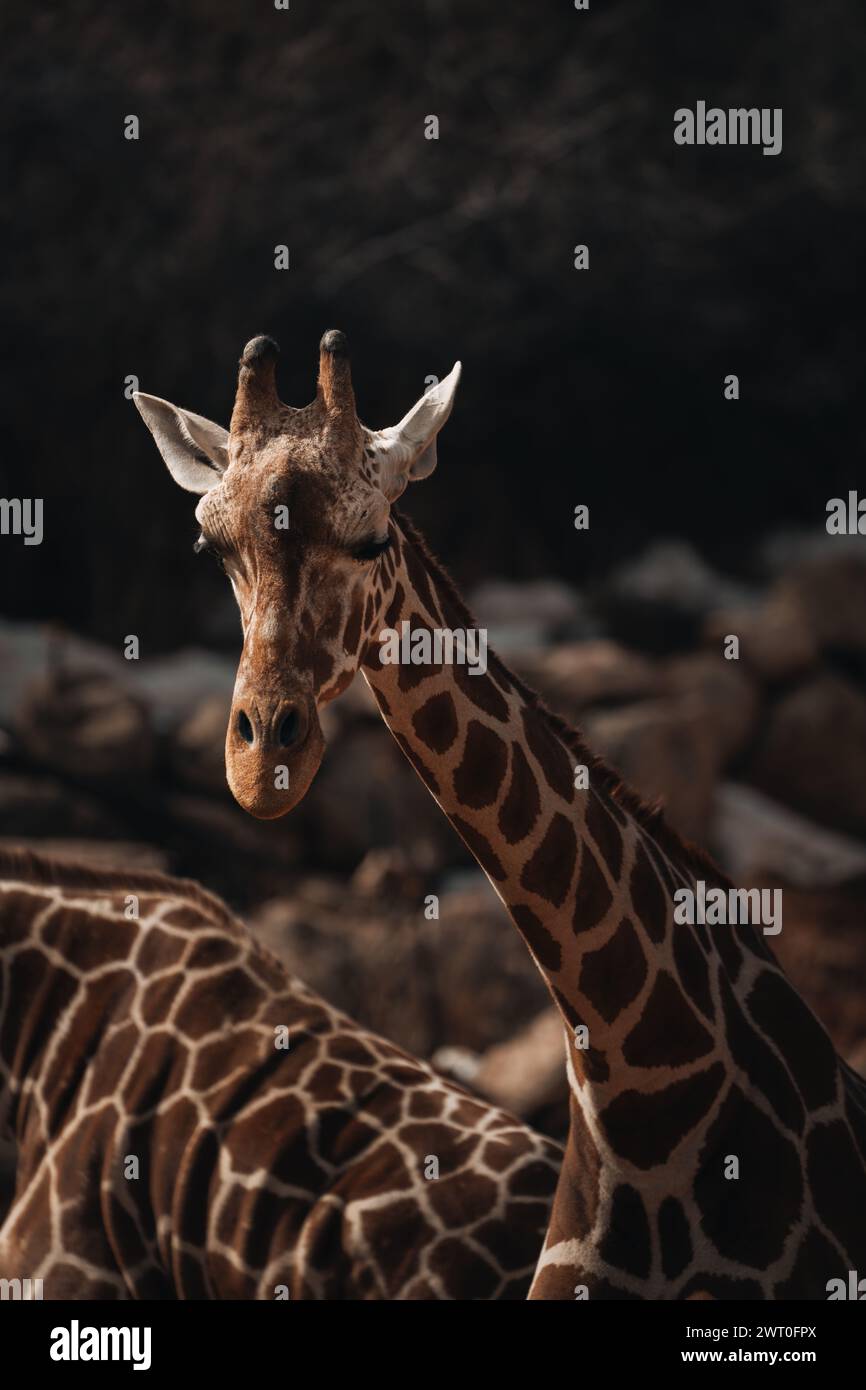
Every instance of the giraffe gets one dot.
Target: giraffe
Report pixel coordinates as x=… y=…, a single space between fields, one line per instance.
x=190 y=1122
x=717 y=1143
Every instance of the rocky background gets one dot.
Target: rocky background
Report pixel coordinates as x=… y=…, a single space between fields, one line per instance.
x=155 y=259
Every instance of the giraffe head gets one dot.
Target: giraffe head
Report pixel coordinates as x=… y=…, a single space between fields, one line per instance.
x=296 y=506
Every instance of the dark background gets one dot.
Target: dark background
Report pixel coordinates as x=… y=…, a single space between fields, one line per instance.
x=305 y=127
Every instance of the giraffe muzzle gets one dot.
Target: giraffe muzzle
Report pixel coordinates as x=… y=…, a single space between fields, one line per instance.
x=273 y=751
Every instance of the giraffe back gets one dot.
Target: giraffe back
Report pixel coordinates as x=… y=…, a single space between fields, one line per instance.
x=189 y=1121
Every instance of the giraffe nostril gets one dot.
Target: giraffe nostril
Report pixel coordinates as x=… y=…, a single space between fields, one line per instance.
x=288 y=730
x=245 y=728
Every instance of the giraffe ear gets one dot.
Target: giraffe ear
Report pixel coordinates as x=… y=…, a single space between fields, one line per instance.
x=407 y=452
x=195 y=449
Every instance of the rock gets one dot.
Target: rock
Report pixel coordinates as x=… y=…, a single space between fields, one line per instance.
x=365 y=958
x=776 y=640
x=84 y=724
x=356 y=702
x=425 y=983
x=831 y=593
x=122 y=855
x=175 y=686
x=822 y=947
x=367 y=795
x=526 y=1073
x=479 y=1005
x=197 y=748
x=724 y=694
x=237 y=857
x=35 y=806
x=664 y=749
x=355 y=705
x=526 y=616
x=389 y=874
x=792 y=547
x=462 y=878
x=307 y=937
x=659 y=601
x=751 y=835
x=577 y=674
x=461 y=1064
x=171 y=687
x=29 y=651
x=856 y=1058
x=812 y=754
x=226 y=830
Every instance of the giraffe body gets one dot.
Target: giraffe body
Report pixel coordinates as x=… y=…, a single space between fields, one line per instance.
x=686 y=1047
x=166 y=1146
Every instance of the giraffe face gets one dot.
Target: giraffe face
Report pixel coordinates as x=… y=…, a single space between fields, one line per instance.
x=295 y=504
x=298 y=529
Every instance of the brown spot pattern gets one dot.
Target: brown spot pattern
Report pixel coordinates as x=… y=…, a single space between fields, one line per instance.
x=549 y=870
x=480 y=846
x=481 y=692
x=781 y=1014
x=551 y=755
x=626 y=1242
x=759 y=1062
x=692 y=969
x=522 y=804
x=543 y=945
x=748 y=1218
x=648 y=897
x=646 y=1128
x=482 y=770
x=592 y=897
x=605 y=833
x=613 y=976
x=667 y=1033
x=674 y=1238
x=435 y=722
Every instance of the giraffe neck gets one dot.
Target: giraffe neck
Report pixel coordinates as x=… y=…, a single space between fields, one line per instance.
x=686 y=1045
x=586 y=874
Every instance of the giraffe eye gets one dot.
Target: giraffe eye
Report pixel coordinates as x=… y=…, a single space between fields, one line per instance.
x=370 y=550
x=205 y=547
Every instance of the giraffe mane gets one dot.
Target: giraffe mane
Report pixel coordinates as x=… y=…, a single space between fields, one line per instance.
x=650 y=815
x=34 y=867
